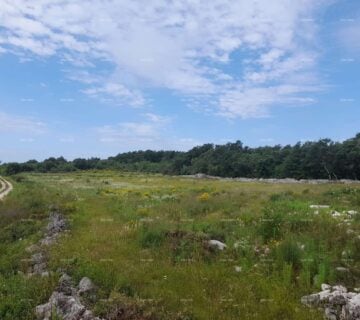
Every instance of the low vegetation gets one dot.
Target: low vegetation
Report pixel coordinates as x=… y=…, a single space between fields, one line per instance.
x=143 y=239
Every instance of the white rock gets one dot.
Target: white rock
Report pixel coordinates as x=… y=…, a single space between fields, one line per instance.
x=238 y=269
x=354 y=307
x=339 y=288
x=330 y=314
x=85 y=285
x=325 y=286
x=319 y=206
x=311 y=300
x=217 y=244
x=324 y=295
x=336 y=214
x=342 y=269
x=33 y=248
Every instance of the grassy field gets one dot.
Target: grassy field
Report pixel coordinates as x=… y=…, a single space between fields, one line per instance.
x=143 y=240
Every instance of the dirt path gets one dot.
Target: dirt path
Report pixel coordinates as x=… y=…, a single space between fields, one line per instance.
x=5 y=188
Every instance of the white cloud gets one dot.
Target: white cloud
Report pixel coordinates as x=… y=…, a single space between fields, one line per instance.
x=255 y=102
x=155 y=118
x=153 y=133
x=17 y=124
x=119 y=91
x=148 y=130
x=349 y=36
x=182 y=46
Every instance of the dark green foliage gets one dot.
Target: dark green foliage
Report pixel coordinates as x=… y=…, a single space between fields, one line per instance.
x=290 y=253
x=150 y=238
x=323 y=159
x=271 y=224
x=18 y=230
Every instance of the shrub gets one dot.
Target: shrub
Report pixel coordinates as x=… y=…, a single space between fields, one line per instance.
x=204 y=197
x=271 y=224
x=323 y=274
x=151 y=238
x=18 y=230
x=290 y=253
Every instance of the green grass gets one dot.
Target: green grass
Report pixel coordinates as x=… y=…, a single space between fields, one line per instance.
x=143 y=240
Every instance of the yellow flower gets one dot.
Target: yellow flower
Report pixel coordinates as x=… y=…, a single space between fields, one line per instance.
x=203 y=197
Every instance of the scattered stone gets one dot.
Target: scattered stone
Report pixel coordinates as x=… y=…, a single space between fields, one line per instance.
x=55 y=227
x=285 y=180
x=85 y=285
x=342 y=269
x=311 y=300
x=335 y=213
x=33 y=248
x=217 y=244
x=330 y=314
x=66 y=285
x=66 y=302
x=203 y=176
x=238 y=269
x=325 y=286
x=319 y=206
x=338 y=303
x=38 y=258
x=38 y=264
x=339 y=288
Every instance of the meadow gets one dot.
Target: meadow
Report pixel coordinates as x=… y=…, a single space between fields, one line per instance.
x=143 y=239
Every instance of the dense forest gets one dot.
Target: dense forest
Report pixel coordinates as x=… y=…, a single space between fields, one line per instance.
x=323 y=159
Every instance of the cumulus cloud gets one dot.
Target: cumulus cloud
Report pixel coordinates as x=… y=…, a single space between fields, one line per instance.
x=180 y=46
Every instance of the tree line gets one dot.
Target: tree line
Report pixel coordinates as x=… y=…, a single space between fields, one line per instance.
x=322 y=159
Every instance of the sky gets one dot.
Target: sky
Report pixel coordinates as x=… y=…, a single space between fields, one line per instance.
x=93 y=78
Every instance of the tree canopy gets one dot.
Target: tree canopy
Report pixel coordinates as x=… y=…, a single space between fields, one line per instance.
x=322 y=159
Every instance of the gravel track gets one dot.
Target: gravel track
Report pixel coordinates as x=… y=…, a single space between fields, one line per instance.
x=5 y=188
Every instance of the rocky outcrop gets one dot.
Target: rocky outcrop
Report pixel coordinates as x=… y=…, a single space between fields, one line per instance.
x=55 y=227
x=38 y=260
x=66 y=302
x=337 y=302
x=85 y=286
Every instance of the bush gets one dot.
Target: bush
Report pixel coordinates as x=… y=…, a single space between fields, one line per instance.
x=151 y=238
x=18 y=230
x=289 y=252
x=271 y=224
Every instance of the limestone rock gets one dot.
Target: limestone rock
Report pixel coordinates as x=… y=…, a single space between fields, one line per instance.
x=66 y=302
x=217 y=244
x=85 y=285
x=338 y=303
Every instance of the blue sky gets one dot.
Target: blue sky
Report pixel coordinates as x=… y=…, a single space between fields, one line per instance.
x=89 y=78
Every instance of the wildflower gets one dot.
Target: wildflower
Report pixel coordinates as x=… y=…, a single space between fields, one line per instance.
x=204 y=197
